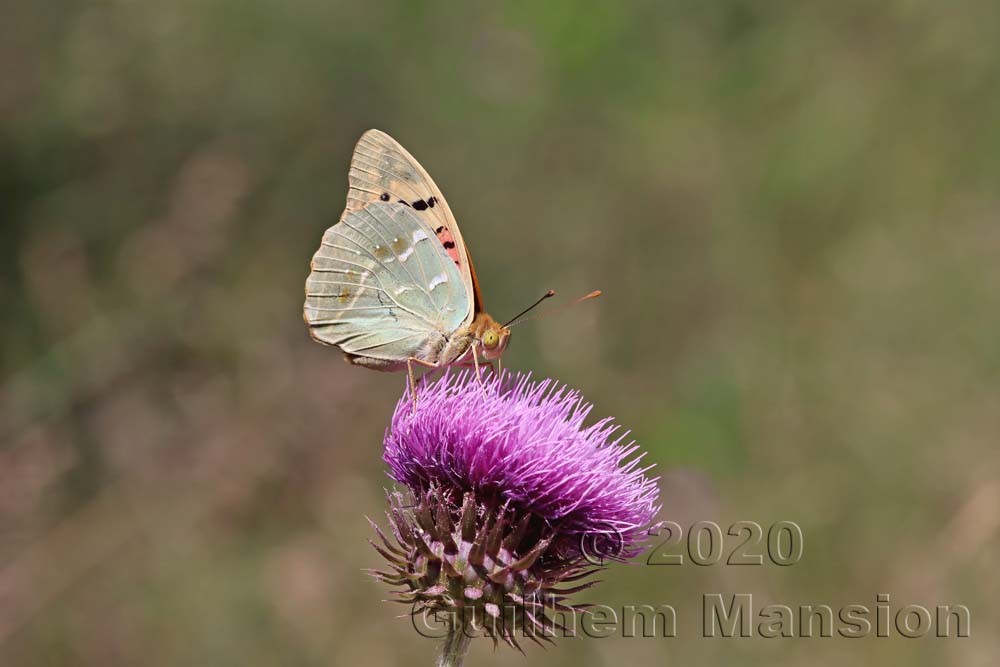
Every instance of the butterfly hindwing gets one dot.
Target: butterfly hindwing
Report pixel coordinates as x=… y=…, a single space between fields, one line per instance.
x=382 y=287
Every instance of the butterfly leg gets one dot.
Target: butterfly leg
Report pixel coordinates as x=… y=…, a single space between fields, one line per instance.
x=413 y=383
x=475 y=361
x=487 y=364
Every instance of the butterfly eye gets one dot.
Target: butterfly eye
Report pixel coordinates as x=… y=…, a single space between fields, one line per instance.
x=490 y=339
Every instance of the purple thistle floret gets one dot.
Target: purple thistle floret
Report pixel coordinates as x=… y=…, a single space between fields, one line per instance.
x=527 y=443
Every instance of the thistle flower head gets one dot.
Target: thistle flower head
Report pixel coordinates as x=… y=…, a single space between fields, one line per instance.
x=508 y=486
x=525 y=441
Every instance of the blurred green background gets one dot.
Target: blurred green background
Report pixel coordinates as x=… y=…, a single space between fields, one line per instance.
x=792 y=209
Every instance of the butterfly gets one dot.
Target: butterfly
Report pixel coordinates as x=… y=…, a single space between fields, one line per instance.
x=392 y=284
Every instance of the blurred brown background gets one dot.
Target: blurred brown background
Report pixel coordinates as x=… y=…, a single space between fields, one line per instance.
x=792 y=209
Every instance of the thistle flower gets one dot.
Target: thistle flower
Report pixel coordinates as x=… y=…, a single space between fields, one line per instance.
x=509 y=498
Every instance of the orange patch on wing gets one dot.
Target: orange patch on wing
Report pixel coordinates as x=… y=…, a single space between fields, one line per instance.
x=448 y=241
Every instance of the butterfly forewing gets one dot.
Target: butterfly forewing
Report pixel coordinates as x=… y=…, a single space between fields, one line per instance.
x=383 y=171
x=381 y=286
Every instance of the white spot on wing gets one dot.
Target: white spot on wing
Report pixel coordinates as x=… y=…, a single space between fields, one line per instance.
x=439 y=279
x=419 y=235
x=405 y=254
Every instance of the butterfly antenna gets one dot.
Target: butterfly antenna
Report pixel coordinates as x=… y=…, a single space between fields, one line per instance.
x=593 y=295
x=547 y=295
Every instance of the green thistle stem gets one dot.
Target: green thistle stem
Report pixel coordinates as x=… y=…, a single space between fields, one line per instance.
x=456 y=644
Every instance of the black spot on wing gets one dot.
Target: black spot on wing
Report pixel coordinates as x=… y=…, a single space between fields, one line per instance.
x=384 y=196
x=432 y=201
x=439 y=229
x=420 y=205
x=448 y=245
x=404 y=202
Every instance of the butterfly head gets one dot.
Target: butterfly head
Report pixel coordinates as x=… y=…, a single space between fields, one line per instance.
x=491 y=336
x=494 y=341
